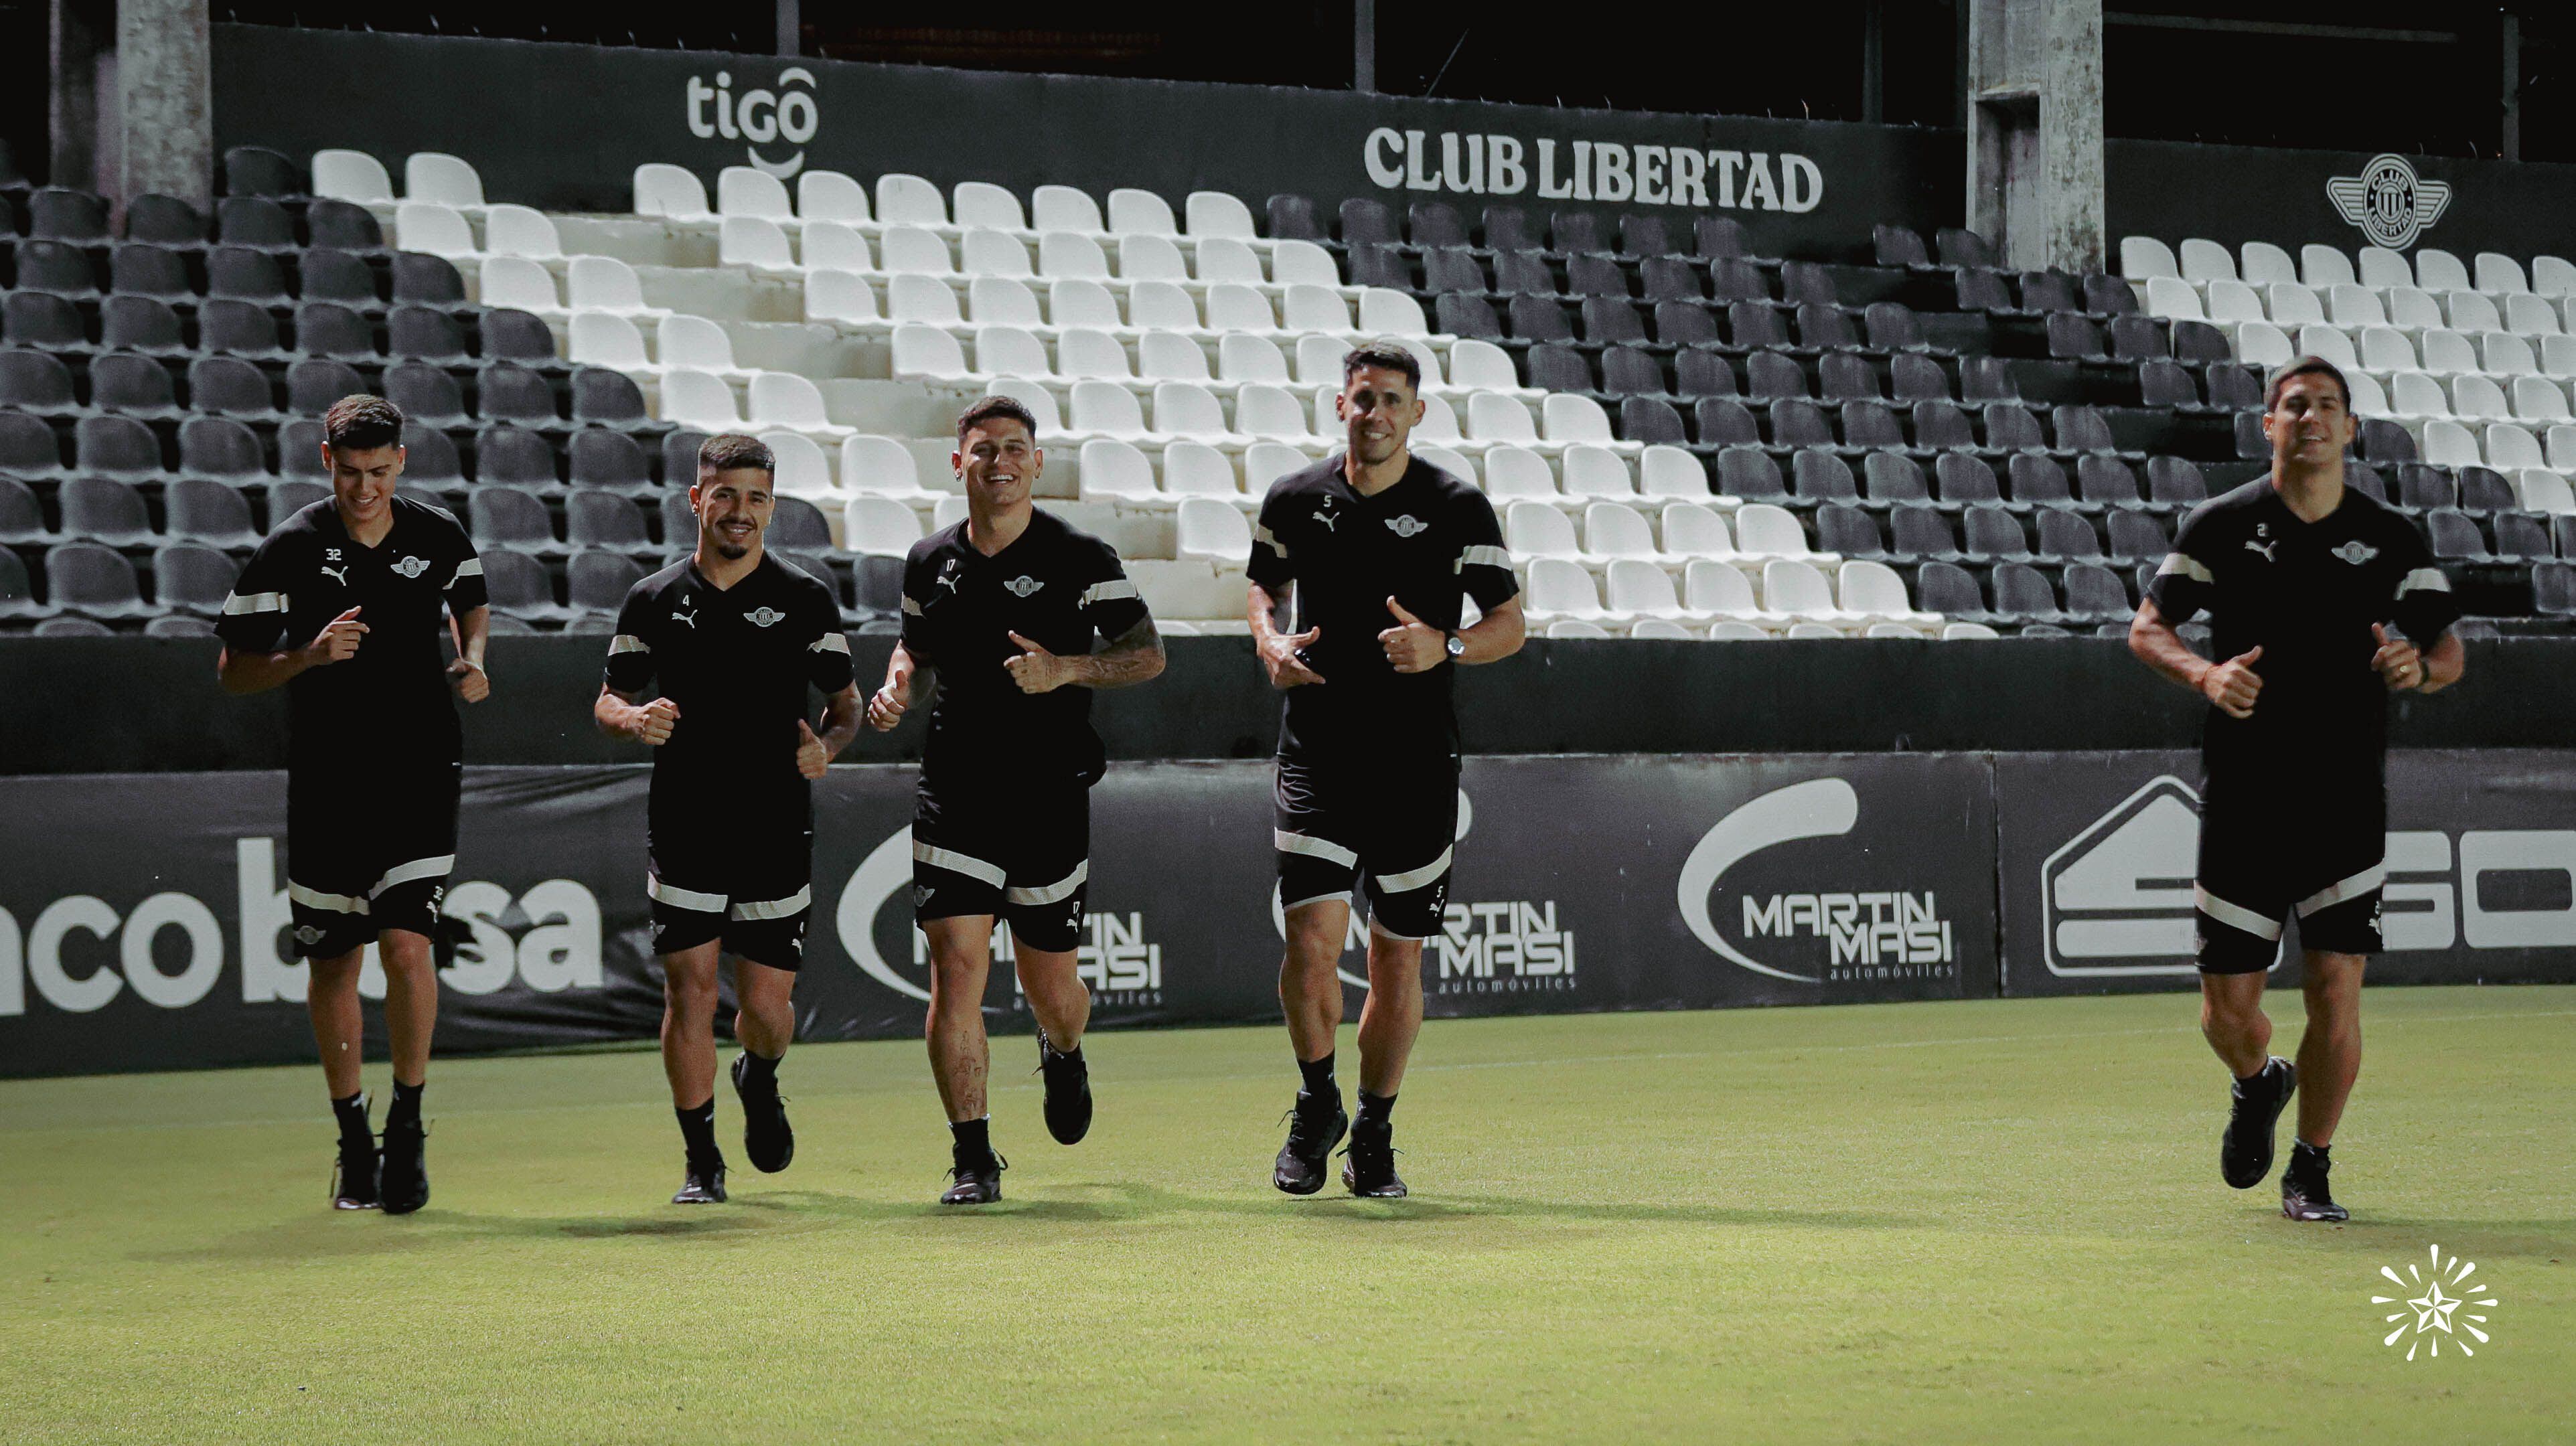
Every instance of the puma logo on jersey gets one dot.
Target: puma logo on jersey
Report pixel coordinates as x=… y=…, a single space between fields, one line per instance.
x=2356 y=552
x=1407 y=526
x=1326 y=515
x=2264 y=548
x=412 y=566
x=763 y=617
x=921 y=894
x=1023 y=585
x=338 y=574
x=948 y=580
x=690 y=617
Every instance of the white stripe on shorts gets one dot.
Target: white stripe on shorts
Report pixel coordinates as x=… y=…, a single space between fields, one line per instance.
x=1313 y=847
x=957 y=863
x=680 y=898
x=787 y=907
x=2351 y=888
x=316 y=899
x=416 y=869
x=1412 y=879
x=2236 y=916
x=1061 y=889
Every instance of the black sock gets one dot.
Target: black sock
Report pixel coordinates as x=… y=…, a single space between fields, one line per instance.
x=2261 y=1073
x=1319 y=1078
x=698 y=1128
x=974 y=1139
x=1046 y=1046
x=2299 y=1144
x=758 y=1069
x=352 y=1115
x=1374 y=1110
x=406 y=1105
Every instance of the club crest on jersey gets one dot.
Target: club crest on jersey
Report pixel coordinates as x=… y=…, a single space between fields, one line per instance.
x=2356 y=552
x=921 y=894
x=762 y=617
x=307 y=935
x=412 y=566
x=1023 y=585
x=1407 y=526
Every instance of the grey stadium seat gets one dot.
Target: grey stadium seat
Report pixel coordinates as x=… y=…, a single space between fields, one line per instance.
x=18 y=591
x=428 y=280
x=1994 y=534
x=607 y=459
x=430 y=456
x=520 y=336
x=515 y=457
x=238 y=271
x=35 y=381
x=1748 y=472
x=314 y=383
x=600 y=519
x=164 y=221
x=134 y=385
x=29 y=448
x=62 y=214
x=519 y=587
x=339 y=277
x=93 y=581
x=192 y=579
x=22 y=517
x=116 y=447
x=71 y=627
x=179 y=625
x=56 y=267
x=102 y=509
x=1724 y=422
x=426 y=393
x=209 y=513
x=598 y=580
x=259 y=171
x=1964 y=478
x=222 y=449
x=139 y=324
x=424 y=333
x=604 y=398
x=231 y=327
x=343 y=225
x=255 y=223
x=141 y=269
x=798 y=525
x=509 y=392
x=505 y=517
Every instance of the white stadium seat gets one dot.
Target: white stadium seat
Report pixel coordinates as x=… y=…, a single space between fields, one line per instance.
x=834 y=246
x=802 y=469
x=1535 y=530
x=1064 y=208
x=2510 y=446
x=2500 y=275
x=1140 y=213
x=1517 y=473
x=1576 y=628
x=1115 y=471
x=1032 y=395
x=927 y=351
x=2354 y=307
x=879 y=526
x=1267 y=462
x=604 y=339
x=2322 y=267
x=832 y=196
x=840 y=296
x=2448 y=444
x=1170 y=356
x=351 y=176
x=1641 y=589
x=1456 y=464
x=2261 y=263
x=1693 y=530
x=2531 y=315
x=1664 y=470
x=1198 y=471
x=784 y=399
x=1251 y=359
x=2439 y=270
x=2290 y=304
x=1302 y=263
x=518 y=283
x=2205 y=261
x=1107 y=409
x=754 y=242
x=1616 y=530
x=604 y=283
x=882 y=467
x=1012 y=350
x=909 y=200
x=913 y=249
x=1263 y=410
x=1227 y=258
x=1215 y=531
x=983 y=204
x=701 y=400
x=1067 y=254
x=2553 y=276
x=749 y=191
x=1952 y=632
x=2538 y=399
x=518 y=231
x=2174 y=298
x=983 y=251
x=436 y=229
x=1218 y=213
x=438 y=176
x=2145 y=257
x=1561 y=589
x=1081 y=301
x=670 y=191
x=994 y=300
x=2383 y=268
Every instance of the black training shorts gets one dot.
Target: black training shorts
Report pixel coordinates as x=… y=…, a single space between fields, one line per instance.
x=368 y=853
x=1390 y=821
x=1023 y=857
x=2317 y=853
x=747 y=883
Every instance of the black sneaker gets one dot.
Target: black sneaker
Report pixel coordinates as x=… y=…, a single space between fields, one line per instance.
x=403 y=1173
x=1068 y=1092
x=1312 y=1134
x=2304 y=1195
x=353 y=1174
x=702 y=1182
x=767 y=1138
x=2245 y=1150
x=1368 y=1166
x=978 y=1182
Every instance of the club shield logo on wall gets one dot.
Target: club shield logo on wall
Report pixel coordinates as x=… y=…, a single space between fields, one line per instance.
x=2389 y=202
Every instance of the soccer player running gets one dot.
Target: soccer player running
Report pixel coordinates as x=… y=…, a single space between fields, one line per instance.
x=2323 y=601
x=1383 y=548
x=1005 y=604
x=732 y=638
x=345 y=604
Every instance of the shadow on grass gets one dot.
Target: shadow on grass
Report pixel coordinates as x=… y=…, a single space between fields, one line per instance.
x=2409 y=1236
x=1451 y=1220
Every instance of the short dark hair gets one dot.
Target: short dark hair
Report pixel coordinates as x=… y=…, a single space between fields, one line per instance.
x=362 y=423
x=2299 y=366
x=987 y=408
x=732 y=451
x=1393 y=356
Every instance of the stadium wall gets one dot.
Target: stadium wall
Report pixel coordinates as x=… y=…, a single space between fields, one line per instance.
x=142 y=915
x=563 y=127
x=2236 y=194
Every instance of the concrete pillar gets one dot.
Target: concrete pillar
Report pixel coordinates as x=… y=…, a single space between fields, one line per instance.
x=164 y=82
x=791 y=28
x=77 y=42
x=2033 y=74
x=1364 y=46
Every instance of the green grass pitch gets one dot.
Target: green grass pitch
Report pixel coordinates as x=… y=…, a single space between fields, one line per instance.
x=1972 y=1222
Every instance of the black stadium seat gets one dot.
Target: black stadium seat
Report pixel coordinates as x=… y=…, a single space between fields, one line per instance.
x=57 y=267
x=238 y=328
x=139 y=323
x=22 y=517
x=60 y=214
x=209 y=513
x=508 y=392
x=314 y=383
x=259 y=171
x=338 y=276
x=1650 y=420
x=1724 y=422
x=1628 y=371
x=599 y=580
x=1746 y=471
x=1453 y=268
x=328 y=329
x=1847 y=530
x=428 y=280
x=342 y=225
x=1557 y=367
x=93 y=581
x=1508 y=228
x=425 y=393
x=424 y=333
x=134 y=385
x=1293 y=217
x=515 y=457
x=505 y=517
x=1458 y=314
x=139 y=268
x=602 y=458
x=164 y=221
x=115 y=447
x=190 y=578
x=1516 y=274
x=596 y=518
x=222 y=450
x=1700 y=372
x=604 y=398
x=253 y=276
x=2037 y=479
x=513 y=335
x=255 y=222
x=42 y=321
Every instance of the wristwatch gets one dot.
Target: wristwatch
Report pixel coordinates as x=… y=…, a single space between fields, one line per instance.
x=1457 y=646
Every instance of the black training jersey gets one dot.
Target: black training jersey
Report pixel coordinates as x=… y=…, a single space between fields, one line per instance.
x=2306 y=593
x=1055 y=585
x=392 y=693
x=736 y=661
x=1430 y=541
